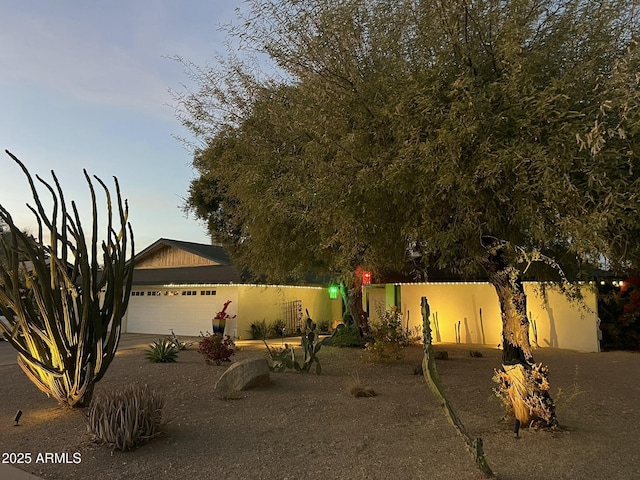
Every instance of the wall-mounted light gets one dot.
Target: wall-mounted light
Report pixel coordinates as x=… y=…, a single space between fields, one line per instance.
x=333 y=292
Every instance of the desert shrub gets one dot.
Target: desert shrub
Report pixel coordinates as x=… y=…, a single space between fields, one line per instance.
x=125 y=419
x=387 y=336
x=348 y=336
x=162 y=351
x=277 y=328
x=259 y=330
x=619 y=313
x=359 y=389
x=216 y=347
x=324 y=326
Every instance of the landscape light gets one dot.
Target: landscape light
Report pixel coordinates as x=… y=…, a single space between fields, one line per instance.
x=366 y=278
x=17 y=418
x=333 y=292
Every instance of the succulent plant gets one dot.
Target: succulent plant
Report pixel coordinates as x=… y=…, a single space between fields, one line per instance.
x=162 y=351
x=125 y=419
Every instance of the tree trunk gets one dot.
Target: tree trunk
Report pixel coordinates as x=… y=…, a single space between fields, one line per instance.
x=523 y=384
x=354 y=313
x=359 y=315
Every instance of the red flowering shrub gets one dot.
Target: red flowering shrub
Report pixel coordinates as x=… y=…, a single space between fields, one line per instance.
x=216 y=347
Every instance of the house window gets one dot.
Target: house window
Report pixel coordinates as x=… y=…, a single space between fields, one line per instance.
x=189 y=292
x=153 y=294
x=137 y=293
x=207 y=292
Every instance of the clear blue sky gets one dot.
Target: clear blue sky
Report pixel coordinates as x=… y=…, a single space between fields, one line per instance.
x=86 y=85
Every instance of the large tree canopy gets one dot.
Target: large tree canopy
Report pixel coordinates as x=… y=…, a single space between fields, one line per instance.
x=472 y=135
x=420 y=127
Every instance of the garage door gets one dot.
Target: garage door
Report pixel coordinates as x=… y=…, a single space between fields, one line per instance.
x=188 y=311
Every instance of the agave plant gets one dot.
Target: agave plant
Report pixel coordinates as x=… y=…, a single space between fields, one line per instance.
x=63 y=303
x=178 y=342
x=162 y=351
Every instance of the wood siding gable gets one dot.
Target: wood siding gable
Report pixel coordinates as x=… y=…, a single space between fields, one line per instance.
x=171 y=257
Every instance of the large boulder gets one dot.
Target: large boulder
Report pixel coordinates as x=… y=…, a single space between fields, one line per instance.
x=249 y=373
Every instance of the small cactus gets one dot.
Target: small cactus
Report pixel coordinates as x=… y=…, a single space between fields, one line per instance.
x=311 y=346
x=282 y=359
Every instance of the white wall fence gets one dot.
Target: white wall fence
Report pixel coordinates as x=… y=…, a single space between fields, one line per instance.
x=469 y=313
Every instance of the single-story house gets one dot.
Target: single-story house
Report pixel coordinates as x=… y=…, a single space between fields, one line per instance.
x=182 y=285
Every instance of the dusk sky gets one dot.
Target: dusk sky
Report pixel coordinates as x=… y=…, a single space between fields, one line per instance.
x=86 y=85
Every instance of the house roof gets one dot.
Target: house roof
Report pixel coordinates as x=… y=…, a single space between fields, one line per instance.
x=207 y=274
x=217 y=270
x=214 y=253
x=153 y=266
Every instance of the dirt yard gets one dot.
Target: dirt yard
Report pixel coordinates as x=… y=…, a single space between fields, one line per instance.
x=308 y=426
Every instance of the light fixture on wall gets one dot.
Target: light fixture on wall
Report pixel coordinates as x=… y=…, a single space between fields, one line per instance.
x=333 y=292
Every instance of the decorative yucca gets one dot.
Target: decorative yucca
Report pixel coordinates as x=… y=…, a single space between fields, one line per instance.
x=125 y=419
x=162 y=351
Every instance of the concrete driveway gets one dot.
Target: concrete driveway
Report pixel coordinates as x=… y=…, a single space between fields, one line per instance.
x=127 y=341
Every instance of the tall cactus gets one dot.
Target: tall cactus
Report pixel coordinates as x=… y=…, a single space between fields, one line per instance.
x=62 y=309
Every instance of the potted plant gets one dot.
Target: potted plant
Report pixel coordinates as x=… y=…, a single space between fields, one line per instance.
x=219 y=322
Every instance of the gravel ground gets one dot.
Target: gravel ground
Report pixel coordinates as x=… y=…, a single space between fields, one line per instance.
x=308 y=426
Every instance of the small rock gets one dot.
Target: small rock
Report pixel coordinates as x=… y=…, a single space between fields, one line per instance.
x=360 y=391
x=442 y=355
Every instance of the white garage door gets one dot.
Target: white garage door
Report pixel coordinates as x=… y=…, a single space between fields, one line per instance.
x=188 y=311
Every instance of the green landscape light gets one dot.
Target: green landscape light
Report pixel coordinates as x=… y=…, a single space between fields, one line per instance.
x=333 y=292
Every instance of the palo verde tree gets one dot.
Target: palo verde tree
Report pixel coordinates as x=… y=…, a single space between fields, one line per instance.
x=62 y=309
x=478 y=136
